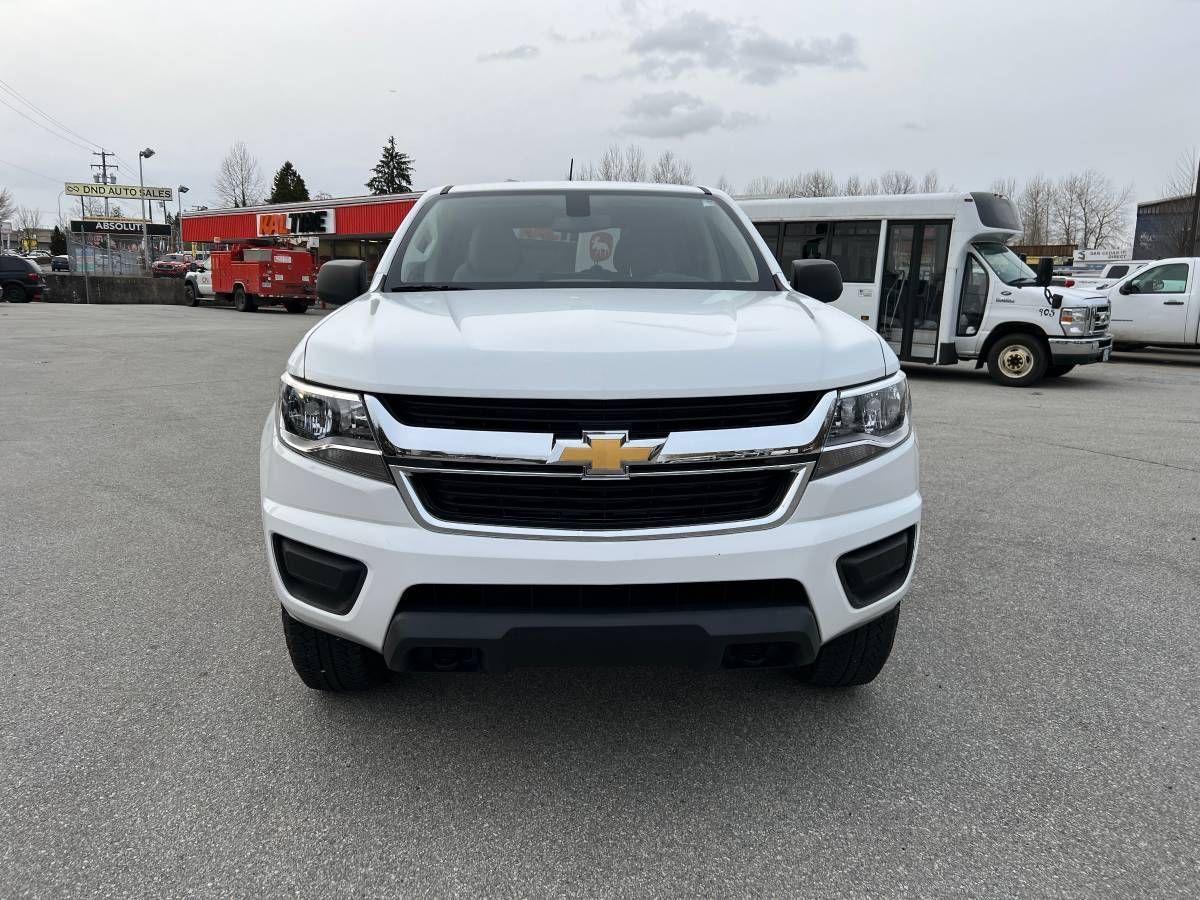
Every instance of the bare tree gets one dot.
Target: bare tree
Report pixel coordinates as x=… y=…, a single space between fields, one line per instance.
x=763 y=185
x=896 y=181
x=1035 y=204
x=7 y=205
x=670 y=169
x=723 y=184
x=1182 y=180
x=26 y=221
x=1089 y=211
x=817 y=183
x=1005 y=187
x=239 y=181
x=853 y=187
x=931 y=183
x=617 y=164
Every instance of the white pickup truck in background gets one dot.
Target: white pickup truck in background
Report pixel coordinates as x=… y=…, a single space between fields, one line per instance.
x=1106 y=276
x=1158 y=304
x=197 y=283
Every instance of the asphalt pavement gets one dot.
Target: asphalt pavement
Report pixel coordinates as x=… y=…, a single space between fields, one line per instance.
x=1036 y=733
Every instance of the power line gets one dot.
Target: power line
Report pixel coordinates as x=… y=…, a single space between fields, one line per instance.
x=31 y=172
x=46 y=128
x=12 y=90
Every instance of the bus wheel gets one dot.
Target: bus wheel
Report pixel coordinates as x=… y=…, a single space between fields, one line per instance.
x=243 y=301
x=1058 y=371
x=1017 y=360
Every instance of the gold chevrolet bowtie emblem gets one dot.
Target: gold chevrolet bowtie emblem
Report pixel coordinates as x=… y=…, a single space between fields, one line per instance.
x=605 y=453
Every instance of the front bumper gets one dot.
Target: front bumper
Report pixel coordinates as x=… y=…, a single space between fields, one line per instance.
x=365 y=520
x=1080 y=351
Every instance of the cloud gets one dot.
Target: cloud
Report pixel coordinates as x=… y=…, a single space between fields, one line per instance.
x=522 y=51
x=696 y=40
x=586 y=37
x=676 y=114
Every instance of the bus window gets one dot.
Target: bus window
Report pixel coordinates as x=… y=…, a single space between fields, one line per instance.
x=974 y=298
x=803 y=240
x=770 y=235
x=855 y=248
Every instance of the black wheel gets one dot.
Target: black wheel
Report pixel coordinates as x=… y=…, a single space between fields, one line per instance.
x=326 y=662
x=300 y=307
x=190 y=295
x=1018 y=360
x=14 y=293
x=243 y=301
x=1058 y=370
x=855 y=657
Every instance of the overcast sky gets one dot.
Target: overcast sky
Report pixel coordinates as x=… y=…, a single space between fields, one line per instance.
x=487 y=91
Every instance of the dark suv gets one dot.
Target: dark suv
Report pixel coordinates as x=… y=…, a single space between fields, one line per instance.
x=21 y=279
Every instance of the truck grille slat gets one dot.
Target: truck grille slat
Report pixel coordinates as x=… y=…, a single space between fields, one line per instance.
x=547 y=502
x=640 y=418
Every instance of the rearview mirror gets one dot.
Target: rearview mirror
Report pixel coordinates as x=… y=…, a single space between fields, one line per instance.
x=1045 y=272
x=818 y=278
x=341 y=280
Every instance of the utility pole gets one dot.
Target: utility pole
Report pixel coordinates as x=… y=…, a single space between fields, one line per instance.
x=103 y=167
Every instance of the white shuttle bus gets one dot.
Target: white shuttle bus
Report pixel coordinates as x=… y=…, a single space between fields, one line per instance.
x=932 y=273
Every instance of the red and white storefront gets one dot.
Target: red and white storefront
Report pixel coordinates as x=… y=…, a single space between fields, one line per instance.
x=345 y=228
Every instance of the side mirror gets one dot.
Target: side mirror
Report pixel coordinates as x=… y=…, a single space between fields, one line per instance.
x=341 y=280
x=1126 y=288
x=1045 y=272
x=818 y=278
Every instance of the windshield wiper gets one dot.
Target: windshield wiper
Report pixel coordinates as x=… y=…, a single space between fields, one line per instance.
x=1023 y=282
x=430 y=287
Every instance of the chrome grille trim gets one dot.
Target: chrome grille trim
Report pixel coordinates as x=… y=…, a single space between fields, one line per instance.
x=410 y=451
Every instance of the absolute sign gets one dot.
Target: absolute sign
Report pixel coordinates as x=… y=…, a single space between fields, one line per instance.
x=310 y=221
x=118 y=226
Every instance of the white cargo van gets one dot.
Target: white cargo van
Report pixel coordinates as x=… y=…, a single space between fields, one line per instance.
x=932 y=273
x=1159 y=304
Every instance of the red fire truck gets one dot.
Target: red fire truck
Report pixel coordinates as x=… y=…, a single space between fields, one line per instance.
x=255 y=274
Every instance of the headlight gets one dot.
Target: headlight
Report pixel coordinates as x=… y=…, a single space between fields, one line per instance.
x=1076 y=320
x=865 y=421
x=330 y=426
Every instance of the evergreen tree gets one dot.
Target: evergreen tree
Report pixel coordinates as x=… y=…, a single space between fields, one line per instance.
x=393 y=172
x=58 y=242
x=288 y=186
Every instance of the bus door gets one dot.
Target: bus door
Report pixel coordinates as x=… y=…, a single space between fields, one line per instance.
x=914 y=279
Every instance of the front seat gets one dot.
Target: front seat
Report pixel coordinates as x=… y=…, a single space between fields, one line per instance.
x=493 y=254
x=641 y=254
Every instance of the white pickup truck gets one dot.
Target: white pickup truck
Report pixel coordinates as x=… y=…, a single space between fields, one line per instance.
x=1158 y=304
x=197 y=283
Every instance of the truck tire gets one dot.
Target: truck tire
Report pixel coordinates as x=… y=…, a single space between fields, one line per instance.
x=855 y=657
x=326 y=662
x=190 y=295
x=243 y=301
x=1018 y=360
x=1058 y=370
x=300 y=307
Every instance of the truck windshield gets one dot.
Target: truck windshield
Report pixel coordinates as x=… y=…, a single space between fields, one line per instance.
x=1006 y=264
x=577 y=238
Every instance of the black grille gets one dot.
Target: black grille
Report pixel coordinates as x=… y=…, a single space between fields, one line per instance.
x=569 y=418
x=575 y=503
x=602 y=598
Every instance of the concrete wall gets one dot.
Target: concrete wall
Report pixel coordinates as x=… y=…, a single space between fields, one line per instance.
x=112 y=289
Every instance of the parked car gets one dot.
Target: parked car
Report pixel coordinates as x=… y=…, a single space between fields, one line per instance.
x=1158 y=304
x=21 y=280
x=60 y=263
x=171 y=265
x=573 y=423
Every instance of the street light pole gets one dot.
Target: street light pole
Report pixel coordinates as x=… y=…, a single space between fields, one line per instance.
x=144 y=154
x=179 y=192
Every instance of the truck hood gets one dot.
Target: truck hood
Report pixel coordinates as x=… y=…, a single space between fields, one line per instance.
x=1077 y=296
x=594 y=342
